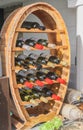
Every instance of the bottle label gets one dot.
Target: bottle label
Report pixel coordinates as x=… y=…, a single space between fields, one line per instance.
x=26 y=47
x=51 y=64
x=51 y=45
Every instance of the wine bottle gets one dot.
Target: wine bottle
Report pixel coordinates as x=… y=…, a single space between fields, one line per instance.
x=29 y=25
x=43 y=91
x=46 y=92
x=37 y=65
x=25 y=94
x=44 y=70
x=21 y=63
x=21 y=56
x=30 y=42
x=43 y=42
x=54 y=59
x=52 y=75
x=19 y=43
x=31 y=77
x=20 y=79
x=28 y=94
x=37 y=89
x=41 y=75
x=29 y=61
x=42 y=60
x=22 y=73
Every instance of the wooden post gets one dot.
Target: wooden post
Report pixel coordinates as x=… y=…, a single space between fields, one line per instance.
x=5 y=123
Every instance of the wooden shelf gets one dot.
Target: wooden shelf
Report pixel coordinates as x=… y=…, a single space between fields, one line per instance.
x=25 y=103
x=45 y=83
x=45 y=48
x=33 y=67
x=23 y=30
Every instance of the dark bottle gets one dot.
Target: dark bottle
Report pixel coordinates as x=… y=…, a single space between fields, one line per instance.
x=20 y=79
x=52 y=75
x=19 y=43
x=30 y=42
x=41 y=75
x=37 y=65
x=31 y=77
x=21 y=56
x=22 y=73
x=43 y=91
x=54 y=59
x=42 y=60
x=37 y=88
x=28 y=94
x=21 y=63
x=47 y=92
x=25 y=94
x=43 y=42
x=29 y=25
x=29 y=60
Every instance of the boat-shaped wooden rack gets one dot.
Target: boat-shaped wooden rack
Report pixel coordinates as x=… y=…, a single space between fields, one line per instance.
x=56 y=33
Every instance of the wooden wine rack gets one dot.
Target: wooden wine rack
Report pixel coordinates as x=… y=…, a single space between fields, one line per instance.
x=57 y=33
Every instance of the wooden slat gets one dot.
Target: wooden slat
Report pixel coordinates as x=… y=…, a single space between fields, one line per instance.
x=45 y=48
x=23 y=30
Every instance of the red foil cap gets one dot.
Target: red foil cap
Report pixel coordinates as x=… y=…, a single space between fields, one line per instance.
x=55 y=97
x=38 y=82
x=49 y=81
x=62 y=81
x=28 y=84
x=39 y=46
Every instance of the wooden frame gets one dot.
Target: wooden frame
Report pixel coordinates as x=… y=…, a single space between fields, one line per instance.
x=56 y=31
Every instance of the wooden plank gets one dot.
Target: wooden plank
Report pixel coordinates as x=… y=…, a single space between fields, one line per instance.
x=5 y=122
x=39 y=31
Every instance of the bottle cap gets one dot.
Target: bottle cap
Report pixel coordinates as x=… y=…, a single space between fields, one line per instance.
x=49 y=81
x=39 y=46
x=55 y=97
x=62 y=81
x=28 y=84
x=39 y=83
